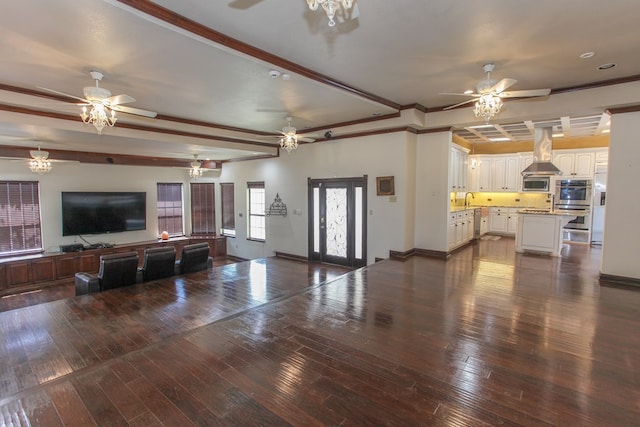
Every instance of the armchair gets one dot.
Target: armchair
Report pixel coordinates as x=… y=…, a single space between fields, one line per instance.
x=194 y=257
x=158 y=263
x=116 y=270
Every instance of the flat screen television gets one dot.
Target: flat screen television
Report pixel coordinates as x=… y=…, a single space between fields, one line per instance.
x=92 y=212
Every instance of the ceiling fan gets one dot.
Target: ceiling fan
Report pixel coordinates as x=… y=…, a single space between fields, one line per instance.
x=492 y=91
x=196 y=169
x=39 y=162
x=289 y=139
x=101 y=101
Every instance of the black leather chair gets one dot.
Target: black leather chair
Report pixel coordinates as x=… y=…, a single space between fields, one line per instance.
x=194 y=257
x=158 y=263
x=116 y=270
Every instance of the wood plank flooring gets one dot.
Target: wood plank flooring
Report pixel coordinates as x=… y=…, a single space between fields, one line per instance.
x=489 y=337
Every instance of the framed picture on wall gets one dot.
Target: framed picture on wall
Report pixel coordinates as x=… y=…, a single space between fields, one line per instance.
x=384 y=186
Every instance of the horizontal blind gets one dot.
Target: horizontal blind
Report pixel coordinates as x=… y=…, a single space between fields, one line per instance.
x=170 y=209
x=228 y=206
x=20 y=228
x=203 y=212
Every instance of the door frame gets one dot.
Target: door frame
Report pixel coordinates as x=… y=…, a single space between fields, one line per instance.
x=351 y=183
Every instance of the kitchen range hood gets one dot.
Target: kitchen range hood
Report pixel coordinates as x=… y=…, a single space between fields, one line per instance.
x=542 y=165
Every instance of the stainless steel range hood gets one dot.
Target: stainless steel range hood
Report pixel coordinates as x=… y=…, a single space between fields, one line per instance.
x=542 y=165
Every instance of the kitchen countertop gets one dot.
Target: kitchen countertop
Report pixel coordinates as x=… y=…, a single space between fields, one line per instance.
x=533 y=211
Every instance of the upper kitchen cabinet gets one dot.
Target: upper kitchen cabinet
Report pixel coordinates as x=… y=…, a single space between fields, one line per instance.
x=480 y=173
x=506 y=173
x=458 y=166
x=575 y=163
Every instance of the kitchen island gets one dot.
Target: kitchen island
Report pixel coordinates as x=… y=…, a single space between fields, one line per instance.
x=540 y=230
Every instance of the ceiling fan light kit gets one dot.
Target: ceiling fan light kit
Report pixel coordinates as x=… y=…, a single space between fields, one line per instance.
x=330 y=7
x=39 y=162
x=487 y=106
x=103 y=106
x=489 y=94
x=289 y=142
x=196 y=170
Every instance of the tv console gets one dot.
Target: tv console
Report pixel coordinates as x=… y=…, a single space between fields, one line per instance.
x=27 y=273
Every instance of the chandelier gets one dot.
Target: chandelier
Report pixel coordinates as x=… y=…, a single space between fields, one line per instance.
x=196 y=170
x=487 y=106
x=98 y=116
x=330 y=7
x=39 y=162
x=289 y=142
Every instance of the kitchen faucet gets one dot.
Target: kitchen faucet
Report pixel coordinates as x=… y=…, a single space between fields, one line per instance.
x=465 y=199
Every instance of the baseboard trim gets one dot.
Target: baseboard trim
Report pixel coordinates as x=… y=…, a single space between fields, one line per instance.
x=236 y=258
x=619 y=280
x=425 y=253
x=292 y=257
x=401 y=256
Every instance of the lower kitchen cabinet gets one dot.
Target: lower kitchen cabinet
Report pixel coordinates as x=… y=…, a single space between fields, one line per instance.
x=460 y=229
x=503 y=220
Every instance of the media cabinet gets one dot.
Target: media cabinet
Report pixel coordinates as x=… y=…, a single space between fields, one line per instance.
x=28 y=273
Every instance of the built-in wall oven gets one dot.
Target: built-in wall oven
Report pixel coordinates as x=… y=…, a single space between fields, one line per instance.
x=573 y=192
x=574 y=195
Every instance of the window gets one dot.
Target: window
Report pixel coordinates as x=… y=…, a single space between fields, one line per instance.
x=256 y=220
x=203 y=211
x=20 y=230
x=228 y=209
x=170 y=209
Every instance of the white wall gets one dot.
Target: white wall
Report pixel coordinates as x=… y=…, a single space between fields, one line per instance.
x=86 y=177
x=390 y=227
x=621 y=245
x=432 y=194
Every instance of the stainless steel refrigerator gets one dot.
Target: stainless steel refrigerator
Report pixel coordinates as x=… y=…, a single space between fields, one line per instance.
x=599 y=199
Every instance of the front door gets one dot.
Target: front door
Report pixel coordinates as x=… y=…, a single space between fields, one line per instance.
x=338 y=221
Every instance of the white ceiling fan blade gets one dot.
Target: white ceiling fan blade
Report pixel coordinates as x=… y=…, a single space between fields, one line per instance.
x=63 y=94
x=461 y=94
x=525 y=93
x=457 y=105
x=305 y=139
x=502 y=85
x=119 y=99
x=136 y=111
x=243 y=4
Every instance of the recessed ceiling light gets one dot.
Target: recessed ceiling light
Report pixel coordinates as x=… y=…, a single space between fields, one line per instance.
x=587 y=55
x=606 y=66
x=606 y=130
x=501 y=139
x=376 y=114
x=468 y=92
x=557 y=135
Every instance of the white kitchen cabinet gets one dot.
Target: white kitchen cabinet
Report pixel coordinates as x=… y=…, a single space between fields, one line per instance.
x=575 y=164
x=512 y=220
x=458 y=168
x=602 y=156
x=484 y=165
x=503 y=220
x=506 y=173
x=484 y=225
x=460 y=230
x=498 y=220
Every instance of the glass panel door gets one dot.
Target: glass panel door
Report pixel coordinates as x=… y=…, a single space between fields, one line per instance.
x=337 y=222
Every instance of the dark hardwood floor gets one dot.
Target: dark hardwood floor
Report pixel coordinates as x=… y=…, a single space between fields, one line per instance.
x=489 y=337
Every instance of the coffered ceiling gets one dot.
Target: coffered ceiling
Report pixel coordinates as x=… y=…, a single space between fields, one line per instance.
x=206 y=68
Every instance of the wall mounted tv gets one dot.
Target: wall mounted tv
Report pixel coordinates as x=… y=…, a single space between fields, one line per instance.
x=103 y=212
